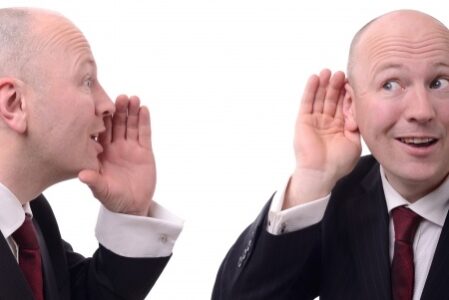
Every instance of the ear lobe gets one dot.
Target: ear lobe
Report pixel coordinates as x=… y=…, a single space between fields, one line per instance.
x=349 y=110
x=12 y=106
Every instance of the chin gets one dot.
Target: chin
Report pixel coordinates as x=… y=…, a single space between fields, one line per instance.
x=427 y=176
x=87 y=165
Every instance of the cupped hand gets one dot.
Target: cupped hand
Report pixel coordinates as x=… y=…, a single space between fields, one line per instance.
x=126 y=179
x=325 y=149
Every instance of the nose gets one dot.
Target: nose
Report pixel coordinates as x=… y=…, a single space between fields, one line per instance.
x=419 y=107
x=103 y=104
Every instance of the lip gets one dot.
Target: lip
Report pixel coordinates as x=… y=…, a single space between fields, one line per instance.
x=98 y=147
x=415 y=151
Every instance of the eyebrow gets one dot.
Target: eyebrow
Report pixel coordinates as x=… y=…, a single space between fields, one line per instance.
x=87 y=61
x=390 y=65
x=387 y=66
x=384 y=67
x=84 y=60
x=442 y=64
x=86 y=64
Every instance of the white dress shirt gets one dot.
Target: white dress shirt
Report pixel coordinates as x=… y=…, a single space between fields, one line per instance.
x=432 y=208
x=125 y=235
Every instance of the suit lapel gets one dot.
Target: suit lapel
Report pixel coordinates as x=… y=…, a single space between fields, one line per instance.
x=55 y=265
x=13 y=284
x=369 y=237
x=437 y=283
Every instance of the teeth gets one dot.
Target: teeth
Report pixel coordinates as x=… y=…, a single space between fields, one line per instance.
x=416 y=140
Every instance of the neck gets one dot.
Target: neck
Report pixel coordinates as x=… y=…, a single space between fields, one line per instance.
x=25 y=188
x=413 y=191
x=22 y=176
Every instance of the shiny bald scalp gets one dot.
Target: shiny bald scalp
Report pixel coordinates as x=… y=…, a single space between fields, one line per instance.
x=14 y=40
x=361 y=34
x=21 y=41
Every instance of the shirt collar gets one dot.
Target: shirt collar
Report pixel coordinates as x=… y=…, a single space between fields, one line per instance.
x=12 y=213
x=432 y=207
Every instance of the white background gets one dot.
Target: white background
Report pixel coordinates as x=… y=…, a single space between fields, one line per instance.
x=223 y=81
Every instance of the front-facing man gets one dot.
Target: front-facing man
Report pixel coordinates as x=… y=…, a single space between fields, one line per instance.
x=57 y=123
x=368 y=228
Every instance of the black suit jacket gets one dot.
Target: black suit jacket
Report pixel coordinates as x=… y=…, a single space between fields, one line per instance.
x=68 y=275
x=345 y=256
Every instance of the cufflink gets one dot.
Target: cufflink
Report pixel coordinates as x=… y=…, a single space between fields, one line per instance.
x=163 y=238
x=283 y=228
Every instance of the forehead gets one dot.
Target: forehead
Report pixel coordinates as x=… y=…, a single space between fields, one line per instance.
x=406 y=41
x=57 y=36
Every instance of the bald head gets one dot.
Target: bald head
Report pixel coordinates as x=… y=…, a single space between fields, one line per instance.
x=22 y=38
x=407 y=26
x=14 y=40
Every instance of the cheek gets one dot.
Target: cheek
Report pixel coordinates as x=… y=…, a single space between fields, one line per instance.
x=65 y=131
x=376 y=117
x=443 y=113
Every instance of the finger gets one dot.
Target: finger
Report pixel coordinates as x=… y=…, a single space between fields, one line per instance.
x=119 y=118
x=340 y=102
x=144 y=128
x=308 y=95
x=133 y=119
x=105 y=137
x=334 y=89
x=318 y=104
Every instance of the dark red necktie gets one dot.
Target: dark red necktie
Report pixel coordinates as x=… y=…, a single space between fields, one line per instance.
x=402 y=270
x=30 y=257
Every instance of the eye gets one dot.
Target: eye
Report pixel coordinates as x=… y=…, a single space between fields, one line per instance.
x=439 y=83
x=88 y=82
x=391 y=85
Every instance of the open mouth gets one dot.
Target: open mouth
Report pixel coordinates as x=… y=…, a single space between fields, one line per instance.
x=94 y=138
x=418 y=141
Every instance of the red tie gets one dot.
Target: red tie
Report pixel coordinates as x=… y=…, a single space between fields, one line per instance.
x=30 y=257
x=402 y=270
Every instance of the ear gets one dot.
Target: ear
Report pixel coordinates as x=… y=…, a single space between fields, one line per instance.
x=12 y=105
x=349 y=110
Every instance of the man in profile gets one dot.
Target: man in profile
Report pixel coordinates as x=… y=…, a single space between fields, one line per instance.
x=57 y=123
x=361 y=228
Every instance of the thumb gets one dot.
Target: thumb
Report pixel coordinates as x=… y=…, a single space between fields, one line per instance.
x=95 y=182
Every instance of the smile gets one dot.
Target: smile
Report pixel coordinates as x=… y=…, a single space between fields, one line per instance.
x=418 y=141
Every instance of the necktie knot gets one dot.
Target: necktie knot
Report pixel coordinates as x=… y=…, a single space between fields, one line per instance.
x=29 y=256
x=25 y=236
x=406 y=223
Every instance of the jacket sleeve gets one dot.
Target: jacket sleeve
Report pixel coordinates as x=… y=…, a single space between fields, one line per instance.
x=105 y=275
x=109 y=276
x=265 y=266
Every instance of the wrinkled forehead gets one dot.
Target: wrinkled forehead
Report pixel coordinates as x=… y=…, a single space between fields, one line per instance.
x=409 y=38
x=54 y=32
x=406 y=30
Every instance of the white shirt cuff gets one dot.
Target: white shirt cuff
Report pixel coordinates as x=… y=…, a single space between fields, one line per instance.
x=138 y=236
x=295 y=218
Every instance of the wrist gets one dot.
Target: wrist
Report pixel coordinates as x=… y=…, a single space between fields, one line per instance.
x=136 y=210
x=307 y=185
